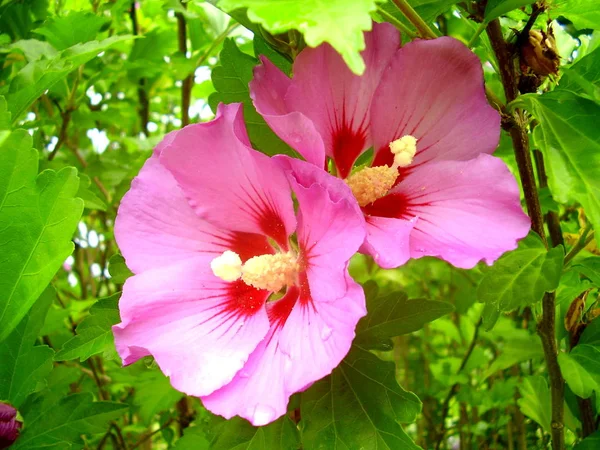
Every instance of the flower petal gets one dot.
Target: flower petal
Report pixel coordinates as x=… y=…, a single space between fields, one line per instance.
x=467 y=210
x=200 y=330
x=388 y=240
x=156 y=226
x=434 y=91
x=331 y=226
x=325 y=91
x=226 y=182
x=307 y=340
x=268 y=89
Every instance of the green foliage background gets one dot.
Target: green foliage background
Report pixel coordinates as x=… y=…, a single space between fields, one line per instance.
x=446 y=358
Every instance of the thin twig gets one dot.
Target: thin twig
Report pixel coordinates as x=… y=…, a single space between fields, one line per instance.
x=397 y=23
x=144 y=102
x=587 y=236
x=455 y=387
x=413 y=17
x=149 y=435
x=188 y=82
x=551 y=217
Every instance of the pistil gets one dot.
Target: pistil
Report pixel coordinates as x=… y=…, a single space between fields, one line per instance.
x=372 y=183
x=270 y=272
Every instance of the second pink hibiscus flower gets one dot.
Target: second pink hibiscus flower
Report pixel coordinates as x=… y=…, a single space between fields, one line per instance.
x=433 y=188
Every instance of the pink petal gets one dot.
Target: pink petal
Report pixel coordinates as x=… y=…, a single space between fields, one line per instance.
x=199 y=329
x=308 y=339
x=156 y=226
x=388 y=240
x=330 y=229
x=326 y=92
x=467 y=210
x=226 y=182
x=268 y=89
x=434 y=91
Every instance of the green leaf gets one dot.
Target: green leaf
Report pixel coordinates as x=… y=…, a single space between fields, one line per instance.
x=231 y=80
x=238 y=434
x=519 y=346
x=395 y=315
x=24 y=364
x=90 y=200
x=590 y=267
x=74 y=28
x=581 y=369
x=194 y=438
x=592 y=442
x=94 y=333
x=497 y=8
x=569 y=136
x=591 y=334
x=118 y=270
x=50 y=424
x=38 y=76
x=340 y=23
x=521 y=277
x=583 y=13
x=37 y=218
x=583 y=77
x=535 y=400
x=360 y=405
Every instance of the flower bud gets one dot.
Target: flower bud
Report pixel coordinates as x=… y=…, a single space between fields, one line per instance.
x=9 y=425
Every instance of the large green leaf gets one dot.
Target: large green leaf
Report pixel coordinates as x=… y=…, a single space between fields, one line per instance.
x=24 y=364
x=569 y=136
x=231 y=80
x=583 y=77
x=521 y=277
x=37 y=76
x=340 y=23
x=94 y=333
x=238 y=434
x=71 y=29
x=583 y=13
x=61 y=424
x=395 y=315
x=38 y=214
x=360 y=405
x=535 y=400
x=581 y=369
x=592 y=442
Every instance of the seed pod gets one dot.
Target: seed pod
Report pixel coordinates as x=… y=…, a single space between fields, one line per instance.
x=540 y=54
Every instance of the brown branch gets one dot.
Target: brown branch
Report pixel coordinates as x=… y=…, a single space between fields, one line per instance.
x=520 y=138
x=144 y=102
x=149 y=435
x=551 y=217
x=455 y=387
x=188 y=82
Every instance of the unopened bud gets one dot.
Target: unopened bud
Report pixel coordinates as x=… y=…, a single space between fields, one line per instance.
x=9 y=425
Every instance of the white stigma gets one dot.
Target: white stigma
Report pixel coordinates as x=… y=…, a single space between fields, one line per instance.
x=228 y=266
x=404 y=150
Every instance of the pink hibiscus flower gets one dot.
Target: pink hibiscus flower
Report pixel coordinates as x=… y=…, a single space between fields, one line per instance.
x=432 y=189
x=241 y=300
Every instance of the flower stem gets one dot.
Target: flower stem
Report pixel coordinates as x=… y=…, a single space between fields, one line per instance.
x=397 y=23
x=520 y=138
x=585 y=238
x=413 y=17
x=479 y=30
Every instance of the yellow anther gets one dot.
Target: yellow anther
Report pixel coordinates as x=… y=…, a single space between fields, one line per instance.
x=270 y=272
x=228 y=266
x=404 y=150
x=372 y=183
